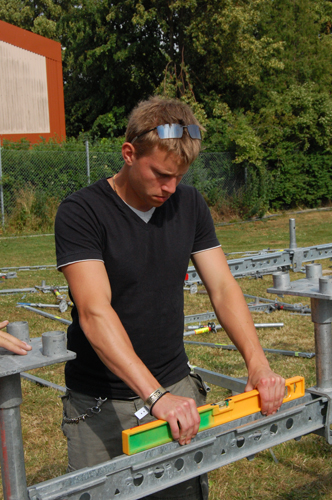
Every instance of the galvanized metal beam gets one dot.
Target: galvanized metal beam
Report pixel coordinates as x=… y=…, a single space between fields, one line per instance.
x=270 y=262
x=136 y=476
x=231 y=383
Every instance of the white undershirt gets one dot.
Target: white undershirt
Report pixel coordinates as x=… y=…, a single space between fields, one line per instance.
x=146 y=216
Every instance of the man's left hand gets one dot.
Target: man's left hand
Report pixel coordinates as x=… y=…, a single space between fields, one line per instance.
x=271 y=388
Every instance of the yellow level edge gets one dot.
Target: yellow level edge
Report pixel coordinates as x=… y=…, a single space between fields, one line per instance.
x=232 y=408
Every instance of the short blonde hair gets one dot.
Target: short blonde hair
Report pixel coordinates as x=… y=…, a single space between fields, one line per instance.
x=159 y=111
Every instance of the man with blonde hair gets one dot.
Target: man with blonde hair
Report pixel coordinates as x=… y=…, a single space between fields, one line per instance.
x=124 y=245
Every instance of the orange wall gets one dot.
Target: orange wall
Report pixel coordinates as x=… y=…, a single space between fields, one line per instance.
x=52 y=52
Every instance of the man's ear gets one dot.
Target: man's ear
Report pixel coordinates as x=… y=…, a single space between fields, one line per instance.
x=128 y=152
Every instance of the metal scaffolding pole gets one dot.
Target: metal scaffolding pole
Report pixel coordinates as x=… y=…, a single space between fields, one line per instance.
x=319 y=289
x=232 y=347
x=12 y=455
x=87 y=162
x=49 y=349
x=1 y=192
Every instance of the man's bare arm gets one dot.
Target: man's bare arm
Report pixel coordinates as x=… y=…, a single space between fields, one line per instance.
x=91 y=291
x=234 y=315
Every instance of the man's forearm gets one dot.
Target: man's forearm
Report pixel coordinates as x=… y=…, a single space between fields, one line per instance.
x=234 y=315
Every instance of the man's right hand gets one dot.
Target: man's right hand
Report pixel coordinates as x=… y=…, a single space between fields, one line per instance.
x=181 y=414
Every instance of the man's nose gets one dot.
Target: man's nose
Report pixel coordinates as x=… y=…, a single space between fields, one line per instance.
x=170 y=185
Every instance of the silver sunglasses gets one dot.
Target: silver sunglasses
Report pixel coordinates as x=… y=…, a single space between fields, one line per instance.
x=173 y=131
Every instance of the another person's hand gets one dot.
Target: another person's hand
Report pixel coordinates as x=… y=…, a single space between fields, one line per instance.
x=271 y=388
x=181 y=414
x=12 y=343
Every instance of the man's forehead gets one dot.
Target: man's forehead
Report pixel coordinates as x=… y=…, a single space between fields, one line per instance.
x=167 y=160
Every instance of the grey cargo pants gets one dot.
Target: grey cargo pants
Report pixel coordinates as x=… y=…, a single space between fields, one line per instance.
x=98 y=439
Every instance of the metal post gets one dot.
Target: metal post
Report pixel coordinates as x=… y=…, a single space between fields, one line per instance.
x=87 y=161
x=319 y=289
x=321 y=315
x=292 y=234
x=1 y=193
x=12 y=454
x=50 y=349
x=323 y=348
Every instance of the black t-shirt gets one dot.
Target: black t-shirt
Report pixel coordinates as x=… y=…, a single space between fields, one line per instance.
x=146 y=264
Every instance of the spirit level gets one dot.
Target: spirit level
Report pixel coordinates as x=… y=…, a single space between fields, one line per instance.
x=146 y=436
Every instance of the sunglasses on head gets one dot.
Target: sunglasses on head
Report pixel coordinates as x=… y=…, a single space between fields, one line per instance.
x=173 y=131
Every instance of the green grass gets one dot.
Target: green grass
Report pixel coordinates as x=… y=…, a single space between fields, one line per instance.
x=27 y=250
x=303 y=470
x=312 y=228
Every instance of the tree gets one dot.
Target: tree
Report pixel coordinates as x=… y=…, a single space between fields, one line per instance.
x=38 y=16
x=258 y=74
x=303 y=27
x=225 y=52
x=110 y=62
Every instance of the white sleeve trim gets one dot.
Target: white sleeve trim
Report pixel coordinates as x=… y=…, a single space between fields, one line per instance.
x=205 y=250
x=75 y=261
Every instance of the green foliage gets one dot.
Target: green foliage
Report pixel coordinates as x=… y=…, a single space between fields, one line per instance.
x=33 y=211
x=286 y=146
x=214 y=177
x=108 y=125
x=110 y=62
x=301 y=180
x=258 y=74
x=303 y=27
x=229 y=54
x=252 y=200
x=43 y=177
x=70 y=144
x=40 y=16
x=299 y=118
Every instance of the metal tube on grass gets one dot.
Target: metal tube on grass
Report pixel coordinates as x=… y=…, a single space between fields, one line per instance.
x=230 y=347
x=47 y=315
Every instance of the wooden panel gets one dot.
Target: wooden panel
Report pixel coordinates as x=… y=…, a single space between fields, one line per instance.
x=23 y=91
x=30 y=41
x=34 y=47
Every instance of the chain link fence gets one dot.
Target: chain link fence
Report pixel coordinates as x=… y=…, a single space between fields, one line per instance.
x=38 y=178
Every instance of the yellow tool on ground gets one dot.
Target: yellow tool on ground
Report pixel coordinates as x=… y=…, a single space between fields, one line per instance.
x=146 y=436
x=210 y=327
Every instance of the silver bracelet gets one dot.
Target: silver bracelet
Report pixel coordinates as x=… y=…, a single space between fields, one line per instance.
x=154 y=397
